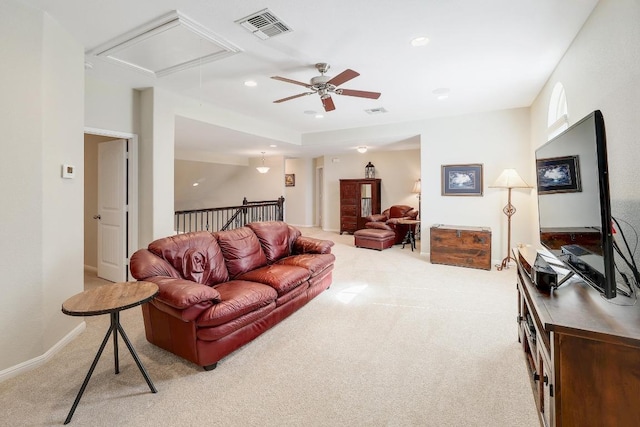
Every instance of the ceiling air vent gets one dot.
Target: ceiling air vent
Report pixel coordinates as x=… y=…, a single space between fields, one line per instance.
x=264 y=24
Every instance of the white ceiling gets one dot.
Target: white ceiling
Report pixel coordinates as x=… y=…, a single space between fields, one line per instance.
x=491 y=55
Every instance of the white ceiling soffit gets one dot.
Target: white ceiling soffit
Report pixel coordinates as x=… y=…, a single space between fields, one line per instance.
x=168 y=44
x=264 y=24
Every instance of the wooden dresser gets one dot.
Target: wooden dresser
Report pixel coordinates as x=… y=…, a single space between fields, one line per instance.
x=461 y=246
x=359 y=198
x=582 y=351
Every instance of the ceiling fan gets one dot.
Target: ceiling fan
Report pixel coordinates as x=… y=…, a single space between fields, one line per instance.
x=325 y=86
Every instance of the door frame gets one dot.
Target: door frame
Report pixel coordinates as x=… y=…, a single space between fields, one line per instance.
x=132 y=187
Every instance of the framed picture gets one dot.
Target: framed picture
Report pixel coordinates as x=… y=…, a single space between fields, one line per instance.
x=462 y=180
x=558 y=175
x=289 y=179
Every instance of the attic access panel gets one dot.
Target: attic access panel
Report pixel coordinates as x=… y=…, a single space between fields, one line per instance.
x=166 y=45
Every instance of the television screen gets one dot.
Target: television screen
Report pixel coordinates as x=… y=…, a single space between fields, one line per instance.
x=573 y=202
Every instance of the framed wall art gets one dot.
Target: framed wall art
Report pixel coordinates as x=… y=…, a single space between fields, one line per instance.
x=462 y=180
x=558 y=175
x=289 y=179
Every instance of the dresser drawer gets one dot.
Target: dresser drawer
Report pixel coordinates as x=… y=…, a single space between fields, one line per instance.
x=461 y=246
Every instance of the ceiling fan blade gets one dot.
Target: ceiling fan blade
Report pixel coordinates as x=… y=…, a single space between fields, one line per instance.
x=343 y=77
x=328 y=105
x=359 y=93
x=292 y=97
x=295 y=82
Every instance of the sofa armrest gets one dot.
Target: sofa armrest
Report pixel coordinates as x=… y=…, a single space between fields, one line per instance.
x=183 y=294
x=310 y=245
x=376 y=218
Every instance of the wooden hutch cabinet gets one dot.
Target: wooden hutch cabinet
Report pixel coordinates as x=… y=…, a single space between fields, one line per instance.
x=582 y=351
x=359 y=198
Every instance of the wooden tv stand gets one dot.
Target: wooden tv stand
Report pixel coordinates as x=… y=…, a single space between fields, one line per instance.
x=582 y=351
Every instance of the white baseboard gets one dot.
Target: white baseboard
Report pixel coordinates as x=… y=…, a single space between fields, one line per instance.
x=41 y=360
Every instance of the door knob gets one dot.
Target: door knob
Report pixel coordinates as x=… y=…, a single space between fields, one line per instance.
x=97 y=217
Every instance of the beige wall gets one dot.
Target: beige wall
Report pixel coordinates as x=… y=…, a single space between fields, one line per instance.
x=497 y=140
x=226 y=185
x=41 y=115
x=601 y=71
x=299 y=200
x=397 y=169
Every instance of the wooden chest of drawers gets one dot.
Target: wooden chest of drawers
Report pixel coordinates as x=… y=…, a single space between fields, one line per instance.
x=461 y=246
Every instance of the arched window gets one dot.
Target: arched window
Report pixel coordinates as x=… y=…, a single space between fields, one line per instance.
x=558 y=118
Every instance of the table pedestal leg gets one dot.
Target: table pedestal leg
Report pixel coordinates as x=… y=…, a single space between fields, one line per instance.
x=114 y=327
x=115 y=320
x=86 y=379
x=137 y=360
x=410 y=239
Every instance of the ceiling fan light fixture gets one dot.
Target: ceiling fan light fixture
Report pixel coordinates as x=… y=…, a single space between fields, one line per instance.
x=263 y=168
x=362 y=149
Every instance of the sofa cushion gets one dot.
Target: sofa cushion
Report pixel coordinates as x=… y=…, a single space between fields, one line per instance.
x=196 y=256
x=241 y=250
x=274 y=238
x=377 y=225
x=237 y=298
x=315 y=263
x=280 y=277
x=398 y=211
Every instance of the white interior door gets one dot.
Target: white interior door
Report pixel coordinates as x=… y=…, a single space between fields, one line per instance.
x=112 y=210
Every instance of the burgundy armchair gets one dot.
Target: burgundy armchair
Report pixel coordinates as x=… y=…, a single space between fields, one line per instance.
x=388 y=220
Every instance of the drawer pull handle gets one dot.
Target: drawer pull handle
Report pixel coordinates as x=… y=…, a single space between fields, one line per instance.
x=458 y=234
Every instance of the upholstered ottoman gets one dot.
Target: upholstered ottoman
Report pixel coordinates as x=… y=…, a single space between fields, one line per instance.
x=374 y=238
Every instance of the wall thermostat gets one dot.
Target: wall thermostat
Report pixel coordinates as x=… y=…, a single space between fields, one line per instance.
x=68 y=171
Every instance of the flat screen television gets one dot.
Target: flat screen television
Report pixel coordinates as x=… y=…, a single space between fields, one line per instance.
x=574 y=207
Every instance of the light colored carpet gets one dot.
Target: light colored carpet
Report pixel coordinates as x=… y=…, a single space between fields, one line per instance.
x=395 y=341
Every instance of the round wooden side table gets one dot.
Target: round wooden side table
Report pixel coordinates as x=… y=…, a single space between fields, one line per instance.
x=410 y=237
x=110 y=299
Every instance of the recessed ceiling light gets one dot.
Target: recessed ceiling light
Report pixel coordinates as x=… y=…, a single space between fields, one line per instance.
x=195 y=184
x=442 y=93
x=419 y=41
x=273 y=145
x=250 y=83
x=362 y=149
x=319 y=116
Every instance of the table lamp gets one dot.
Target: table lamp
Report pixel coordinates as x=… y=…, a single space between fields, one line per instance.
x=417 y=189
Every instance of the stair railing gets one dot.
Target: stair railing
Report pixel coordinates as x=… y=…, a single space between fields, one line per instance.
x=230 y=217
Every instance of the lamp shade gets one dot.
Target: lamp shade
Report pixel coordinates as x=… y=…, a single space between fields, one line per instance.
x=509 y=178
x=417 y=187
x=263 y=168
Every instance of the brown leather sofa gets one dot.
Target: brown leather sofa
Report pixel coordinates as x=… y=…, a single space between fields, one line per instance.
x=388 y=220
x=218 y=291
